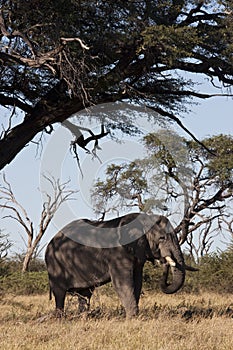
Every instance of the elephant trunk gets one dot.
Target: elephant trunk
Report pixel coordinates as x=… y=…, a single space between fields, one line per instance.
x=178 y=277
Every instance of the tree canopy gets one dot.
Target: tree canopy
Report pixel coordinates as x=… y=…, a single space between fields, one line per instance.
x=180 y=178
x=59 y=57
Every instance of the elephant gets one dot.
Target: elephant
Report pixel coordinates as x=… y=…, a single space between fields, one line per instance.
x=86 y=254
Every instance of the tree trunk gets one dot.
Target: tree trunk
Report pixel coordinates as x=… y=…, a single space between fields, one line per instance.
x=27 y=259
x=42 y=115
x=55 y=107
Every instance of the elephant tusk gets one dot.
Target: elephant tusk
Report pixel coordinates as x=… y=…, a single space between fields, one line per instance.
x=170 y=261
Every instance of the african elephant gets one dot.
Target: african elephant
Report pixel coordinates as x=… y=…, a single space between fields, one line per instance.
x=86 y=254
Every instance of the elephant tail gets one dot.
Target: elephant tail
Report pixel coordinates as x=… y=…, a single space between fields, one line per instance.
x=50 y=293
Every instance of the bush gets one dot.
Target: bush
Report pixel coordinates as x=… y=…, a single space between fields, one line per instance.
x=25 y=283
x=151 y=277
x=215 y=274
x=15 y=263
x=12 y=280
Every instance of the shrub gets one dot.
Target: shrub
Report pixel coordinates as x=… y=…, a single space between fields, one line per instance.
x=151 y=276
x=215 y=274
x=15 y=263
x=12 y=280
x=25 y=283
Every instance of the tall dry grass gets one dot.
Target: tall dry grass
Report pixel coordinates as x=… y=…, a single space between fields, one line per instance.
x=166 y=322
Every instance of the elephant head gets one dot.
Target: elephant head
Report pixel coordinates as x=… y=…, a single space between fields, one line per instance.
x=165 y=247
x=160 y=243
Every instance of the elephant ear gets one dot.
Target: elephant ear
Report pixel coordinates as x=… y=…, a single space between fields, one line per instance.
x=139 y=249
x=132 y=237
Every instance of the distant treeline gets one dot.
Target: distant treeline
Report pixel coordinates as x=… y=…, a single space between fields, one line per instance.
x=215 y=274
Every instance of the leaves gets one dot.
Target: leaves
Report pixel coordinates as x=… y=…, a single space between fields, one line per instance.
x=58 y=58
x=180 y=177
x=124 y=186
x=219 y=165
x=171 y=43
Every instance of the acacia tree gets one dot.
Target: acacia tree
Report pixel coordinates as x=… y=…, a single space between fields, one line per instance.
x=15 y=211
x=179 y=177
x=58 y=57
x=203 y=179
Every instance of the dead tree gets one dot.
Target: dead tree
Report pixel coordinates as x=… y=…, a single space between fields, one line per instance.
x=17 y=212
x=5 y=245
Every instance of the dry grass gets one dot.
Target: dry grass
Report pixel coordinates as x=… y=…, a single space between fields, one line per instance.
x=175 y=322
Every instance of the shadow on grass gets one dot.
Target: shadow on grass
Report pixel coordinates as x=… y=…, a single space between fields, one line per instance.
x=183 y=312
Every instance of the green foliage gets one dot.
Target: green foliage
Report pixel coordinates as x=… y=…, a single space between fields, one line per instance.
x=166 y=148
x=63 y=56
x=151 y=276
x=12 y=280
x=219 y=164
x=215 y=274
x=123 y=182
x=25 y=283
x=166 y=33
x=14 y=264
x=173 y=42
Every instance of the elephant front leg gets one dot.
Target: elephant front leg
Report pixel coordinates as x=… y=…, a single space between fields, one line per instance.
x=123 y=283
x=84 y=298
x=83 y=304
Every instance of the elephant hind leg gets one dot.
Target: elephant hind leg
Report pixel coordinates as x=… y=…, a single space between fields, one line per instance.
x=59 y=295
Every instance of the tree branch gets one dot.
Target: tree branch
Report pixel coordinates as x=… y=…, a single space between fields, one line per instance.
x=178 y=121
x=13 y=101
x=59 y=196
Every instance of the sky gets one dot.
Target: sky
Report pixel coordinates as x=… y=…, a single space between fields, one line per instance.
x=25 y=173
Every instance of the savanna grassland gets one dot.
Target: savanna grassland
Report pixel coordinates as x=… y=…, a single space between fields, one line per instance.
x=181 y=321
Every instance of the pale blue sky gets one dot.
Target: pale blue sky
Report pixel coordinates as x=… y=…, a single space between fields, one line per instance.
x=210 y=117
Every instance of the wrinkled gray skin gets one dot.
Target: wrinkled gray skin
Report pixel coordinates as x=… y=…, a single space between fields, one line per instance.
x=74 y=267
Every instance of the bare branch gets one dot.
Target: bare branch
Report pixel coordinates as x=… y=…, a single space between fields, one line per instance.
x=82 y=142
x=66 y=40
x=18 y=213
x=5 y=245
x=178 y=122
